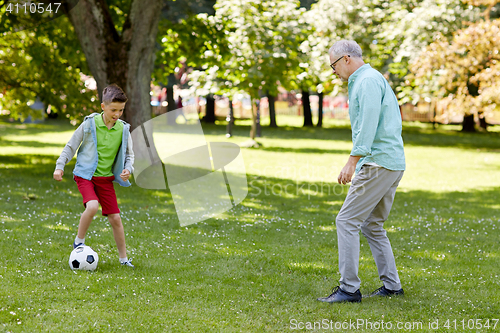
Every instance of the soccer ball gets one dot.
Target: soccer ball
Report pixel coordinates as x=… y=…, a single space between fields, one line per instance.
x=83 y=258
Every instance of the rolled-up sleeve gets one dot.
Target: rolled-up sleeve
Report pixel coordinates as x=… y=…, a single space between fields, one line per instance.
x=370 y=104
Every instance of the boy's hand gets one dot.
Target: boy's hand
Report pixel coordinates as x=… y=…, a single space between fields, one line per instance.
x=58 y=174
x=125 y=175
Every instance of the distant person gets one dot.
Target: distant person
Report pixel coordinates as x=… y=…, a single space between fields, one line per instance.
x=180 y=110
x=104 y=155
x=378 y=159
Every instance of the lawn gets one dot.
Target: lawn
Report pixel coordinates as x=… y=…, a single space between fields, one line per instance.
x=260 y=266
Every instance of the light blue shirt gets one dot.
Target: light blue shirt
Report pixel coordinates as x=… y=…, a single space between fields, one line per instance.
x=375 y=120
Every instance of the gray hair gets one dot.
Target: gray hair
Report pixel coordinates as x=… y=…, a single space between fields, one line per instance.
x=345 y=47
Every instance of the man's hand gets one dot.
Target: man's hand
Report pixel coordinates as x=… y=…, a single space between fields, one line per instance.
x=348 y=170
x=58 y=174
x=125 y=175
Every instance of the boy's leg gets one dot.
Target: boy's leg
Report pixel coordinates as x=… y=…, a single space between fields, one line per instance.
x=91 y=204
x=107 y=198
x=91 y=208
x=118 y=233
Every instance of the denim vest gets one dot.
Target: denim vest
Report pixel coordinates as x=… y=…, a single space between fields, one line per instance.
x=86 y=160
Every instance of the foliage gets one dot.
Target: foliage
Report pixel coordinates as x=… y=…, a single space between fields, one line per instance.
x=263 y=39
x=45 y=62
x=246 y=46
x=465 y=71
x=197 y=41
x=119 y=10
x=390 y=33
x=412 y=27
x=186 y=33
x=18 y=15
x=313 y=71
x=175 y=10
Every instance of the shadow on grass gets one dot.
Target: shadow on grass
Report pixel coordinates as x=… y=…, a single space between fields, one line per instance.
x=284 y=132
x=31 y=144
x=307 y=150
x=412 y=136
x=269 y=194
x=50 y=125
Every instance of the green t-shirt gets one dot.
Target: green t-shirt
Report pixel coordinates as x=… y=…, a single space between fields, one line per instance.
x=108 y=144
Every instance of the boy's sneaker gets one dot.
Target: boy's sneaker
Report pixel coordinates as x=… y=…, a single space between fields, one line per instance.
x=77 y=245
x=128 y=263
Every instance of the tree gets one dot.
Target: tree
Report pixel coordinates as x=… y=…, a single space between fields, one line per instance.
x=408 y=27
x=391 y=33
x=195 y=41
x=263 y=37
x=42 y=62
x=117 y=38
x=119 y=43
x=313 y=72
x=464 y=71
x=331 y=21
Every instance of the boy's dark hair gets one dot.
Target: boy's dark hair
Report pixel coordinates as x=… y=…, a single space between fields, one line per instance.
x=113 y=93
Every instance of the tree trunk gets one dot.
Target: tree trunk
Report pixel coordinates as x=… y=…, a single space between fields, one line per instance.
x=320 y=110
x=230 y=120
x=210 y=110
x=306 y=106
x=272 y=110
x=468 y=124
x=253 y=128
x=257 y=120
x=124 y=58
x=482 y=122
x=171 y=106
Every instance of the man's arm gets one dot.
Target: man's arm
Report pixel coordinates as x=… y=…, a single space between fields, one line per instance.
x=348 y=170
x=370 y=106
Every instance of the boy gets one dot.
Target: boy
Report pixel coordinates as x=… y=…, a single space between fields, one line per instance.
x=105 y=155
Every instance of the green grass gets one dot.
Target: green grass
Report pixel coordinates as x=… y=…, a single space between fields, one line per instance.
x=260 y=266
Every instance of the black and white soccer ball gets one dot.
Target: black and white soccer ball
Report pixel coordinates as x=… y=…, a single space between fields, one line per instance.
x=83 y=258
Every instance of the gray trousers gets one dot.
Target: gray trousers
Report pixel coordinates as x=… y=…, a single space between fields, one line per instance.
x=366 y=207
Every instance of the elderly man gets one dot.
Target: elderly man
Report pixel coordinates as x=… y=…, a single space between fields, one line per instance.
x=378 y=159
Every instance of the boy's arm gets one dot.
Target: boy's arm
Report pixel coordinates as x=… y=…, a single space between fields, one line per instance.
x=70 y=148
x=129 y=155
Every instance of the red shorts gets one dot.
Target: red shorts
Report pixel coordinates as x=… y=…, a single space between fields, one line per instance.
x=100 y=189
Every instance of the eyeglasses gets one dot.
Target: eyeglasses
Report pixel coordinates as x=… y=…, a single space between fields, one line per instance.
x=332 y=65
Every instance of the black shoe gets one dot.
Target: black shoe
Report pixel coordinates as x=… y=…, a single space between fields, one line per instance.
x=384 y=292
x=338 y=296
